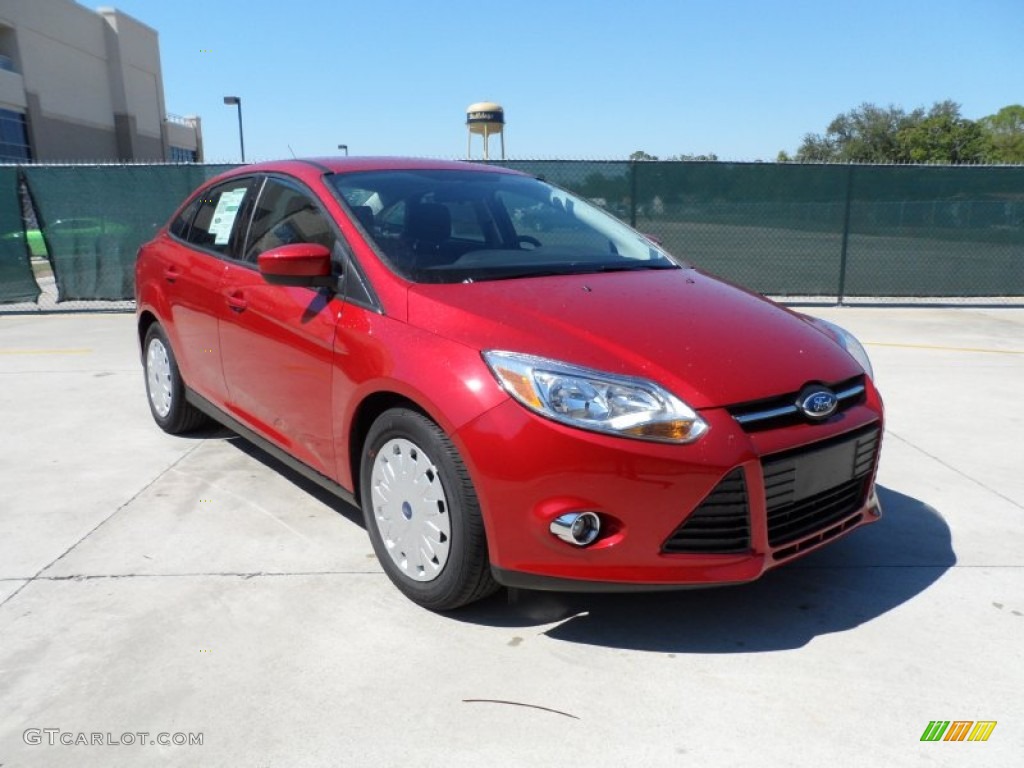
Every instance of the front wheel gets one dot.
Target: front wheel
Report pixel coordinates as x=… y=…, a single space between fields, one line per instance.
x=422 y=512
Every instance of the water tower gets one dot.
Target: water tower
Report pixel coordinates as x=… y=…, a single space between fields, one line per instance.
x=485 y=118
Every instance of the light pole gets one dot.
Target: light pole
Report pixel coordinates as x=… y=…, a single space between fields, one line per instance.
x=237 y=101
x=344 y=147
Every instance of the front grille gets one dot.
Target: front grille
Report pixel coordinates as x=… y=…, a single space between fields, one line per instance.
x=812 y=488
x=825 y=535
x=719 y=525
x=782 y=411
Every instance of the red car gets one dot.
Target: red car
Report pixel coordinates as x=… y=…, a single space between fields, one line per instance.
x=569 y=408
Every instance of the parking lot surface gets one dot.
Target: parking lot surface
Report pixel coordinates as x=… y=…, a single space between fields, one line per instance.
x=173 y=586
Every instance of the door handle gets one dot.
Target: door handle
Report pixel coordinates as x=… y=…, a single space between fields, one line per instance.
x=237 y=301
x=172 y=273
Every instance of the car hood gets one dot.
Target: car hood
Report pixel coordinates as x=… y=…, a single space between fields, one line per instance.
x=707 y=341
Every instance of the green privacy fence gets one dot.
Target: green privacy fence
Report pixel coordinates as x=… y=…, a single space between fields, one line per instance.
x=830 y=231
x=823 y=230
x=16 y=280
x=87 y=223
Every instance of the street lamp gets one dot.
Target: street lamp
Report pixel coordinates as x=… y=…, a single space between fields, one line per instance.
x=344 y=147
x=237 y=101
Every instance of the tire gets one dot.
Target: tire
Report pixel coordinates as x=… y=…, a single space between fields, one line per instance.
x=165 y=390
x=422 y=513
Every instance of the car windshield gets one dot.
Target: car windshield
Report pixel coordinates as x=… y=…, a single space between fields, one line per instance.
x=450 y=226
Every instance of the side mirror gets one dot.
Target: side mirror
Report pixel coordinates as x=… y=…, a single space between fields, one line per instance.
x=302 y=264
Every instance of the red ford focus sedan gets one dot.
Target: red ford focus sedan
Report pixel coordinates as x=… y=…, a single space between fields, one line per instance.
x=560 y=407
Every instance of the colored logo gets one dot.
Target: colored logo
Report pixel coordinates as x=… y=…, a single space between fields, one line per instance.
x=958 y=730
x=817 y=403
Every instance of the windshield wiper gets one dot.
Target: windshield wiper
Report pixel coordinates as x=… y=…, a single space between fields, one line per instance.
x=567 y=269
x=631 y=267
x=520 y=273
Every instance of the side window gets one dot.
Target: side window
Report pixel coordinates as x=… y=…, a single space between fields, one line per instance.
x=216 y=218
x=285 y=215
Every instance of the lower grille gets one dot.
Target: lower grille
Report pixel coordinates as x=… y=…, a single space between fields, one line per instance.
x=813 y=488
x=791 y=522
x=719 y=525
x=825 y=535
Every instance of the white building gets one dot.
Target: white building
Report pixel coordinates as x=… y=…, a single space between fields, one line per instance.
x=81 y=85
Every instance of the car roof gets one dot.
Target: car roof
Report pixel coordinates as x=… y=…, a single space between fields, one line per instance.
x=318 y=165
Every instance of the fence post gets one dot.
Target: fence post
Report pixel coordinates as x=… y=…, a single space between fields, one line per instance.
x=632 y=193
x=841 y=292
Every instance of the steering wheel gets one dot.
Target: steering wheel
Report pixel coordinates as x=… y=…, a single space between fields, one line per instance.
x=529 y=239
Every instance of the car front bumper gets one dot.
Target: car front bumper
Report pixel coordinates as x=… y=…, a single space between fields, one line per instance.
x=722 y=510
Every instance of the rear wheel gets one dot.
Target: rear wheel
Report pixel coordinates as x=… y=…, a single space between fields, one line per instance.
x=422 y=512
x=165 y=388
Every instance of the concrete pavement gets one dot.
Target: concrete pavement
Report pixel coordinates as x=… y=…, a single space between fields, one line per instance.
x=153 y=584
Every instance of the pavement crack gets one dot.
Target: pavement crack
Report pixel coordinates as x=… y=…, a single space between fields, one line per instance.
x=101 y=523
x=960 y=472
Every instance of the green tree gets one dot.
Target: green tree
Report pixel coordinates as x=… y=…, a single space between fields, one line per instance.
x=866 y=134
x=818 y=149
x=1005 y=134
x=940 y=136
x=641 y=155
x=873 y=134
x=709 y=157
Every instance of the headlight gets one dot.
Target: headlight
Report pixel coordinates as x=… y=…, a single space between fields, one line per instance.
x=600 y=402
x=848 y=342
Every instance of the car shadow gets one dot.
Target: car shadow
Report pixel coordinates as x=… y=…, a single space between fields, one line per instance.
x=349 y=512
x=855 y=580
x=837 y=588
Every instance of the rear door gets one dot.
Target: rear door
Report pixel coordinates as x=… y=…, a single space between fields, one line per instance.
x=277 y=341
x=194 y=264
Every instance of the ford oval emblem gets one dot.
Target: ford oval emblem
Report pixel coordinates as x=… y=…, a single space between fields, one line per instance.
x=817 y=403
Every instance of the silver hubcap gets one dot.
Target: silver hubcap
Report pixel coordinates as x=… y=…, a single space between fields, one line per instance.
x=158 y=377
x=411 y=509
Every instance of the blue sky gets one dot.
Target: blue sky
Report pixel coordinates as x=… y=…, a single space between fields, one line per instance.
x=588 y=80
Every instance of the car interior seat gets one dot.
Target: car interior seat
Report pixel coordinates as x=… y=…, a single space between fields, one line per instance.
x=427 y=226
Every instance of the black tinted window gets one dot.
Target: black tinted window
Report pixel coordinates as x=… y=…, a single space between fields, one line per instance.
x=179 y=227
x=455 y=225
x=285 y=215
x=218 y=216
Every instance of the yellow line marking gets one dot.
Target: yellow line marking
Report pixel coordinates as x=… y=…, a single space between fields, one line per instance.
x=66 y=316
x=946 y=349
x=45 y=351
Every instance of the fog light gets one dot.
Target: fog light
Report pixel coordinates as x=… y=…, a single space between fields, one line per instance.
x=579 y=528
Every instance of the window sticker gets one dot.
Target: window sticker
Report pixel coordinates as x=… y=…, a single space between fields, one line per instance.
x=224 y=215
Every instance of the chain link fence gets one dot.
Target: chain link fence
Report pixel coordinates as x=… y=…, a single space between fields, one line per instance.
x=69 y=234
x=835 y=232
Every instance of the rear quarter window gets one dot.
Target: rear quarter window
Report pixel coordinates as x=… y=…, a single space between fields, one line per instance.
x=180 y=226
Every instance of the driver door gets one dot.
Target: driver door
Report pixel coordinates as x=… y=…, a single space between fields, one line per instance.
x=277 y=341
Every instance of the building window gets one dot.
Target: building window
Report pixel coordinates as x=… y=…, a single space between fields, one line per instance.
x=179 y=155
x=14 y=146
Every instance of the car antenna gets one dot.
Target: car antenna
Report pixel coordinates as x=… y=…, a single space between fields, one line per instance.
x=291 y=150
